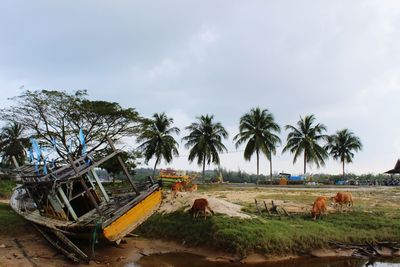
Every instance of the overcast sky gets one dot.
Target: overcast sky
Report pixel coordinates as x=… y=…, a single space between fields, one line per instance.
x=338 y=60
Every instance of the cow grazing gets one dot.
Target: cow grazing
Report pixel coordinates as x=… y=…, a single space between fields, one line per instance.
x=342 y=198
x=192 y=188
x=177 y=187
x=319 y=207
x=200 y=205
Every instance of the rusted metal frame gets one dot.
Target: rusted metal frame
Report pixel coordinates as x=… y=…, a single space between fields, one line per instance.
x=125 y=170
x=85 y=187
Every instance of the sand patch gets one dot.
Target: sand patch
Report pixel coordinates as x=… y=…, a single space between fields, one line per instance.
x=184 y=201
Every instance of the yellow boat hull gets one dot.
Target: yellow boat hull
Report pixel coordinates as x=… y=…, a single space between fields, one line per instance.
x=133 y=217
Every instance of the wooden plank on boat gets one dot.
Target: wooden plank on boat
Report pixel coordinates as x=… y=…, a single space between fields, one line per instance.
x=69 y=255
x=71 y=245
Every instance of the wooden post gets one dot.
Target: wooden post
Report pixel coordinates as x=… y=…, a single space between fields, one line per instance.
x=66 y=202
x=90 y=196
x=150 y=178
x=53 y=241
x=15 y=162
x=125 y=170
x=85 y=187
x=266 y=208
x=274 y=208
x=103 y=191
x=287 y=214
x=258 y=209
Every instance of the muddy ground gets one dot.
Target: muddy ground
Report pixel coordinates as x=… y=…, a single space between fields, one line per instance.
x=25 y=247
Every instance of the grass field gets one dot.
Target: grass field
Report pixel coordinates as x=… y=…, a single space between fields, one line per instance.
x=6 y=187
x=375 y=217
x=10 y=222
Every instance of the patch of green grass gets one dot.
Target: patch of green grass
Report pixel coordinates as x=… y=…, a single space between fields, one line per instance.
x=10 y=222
x=297 y=234
x=6 y=187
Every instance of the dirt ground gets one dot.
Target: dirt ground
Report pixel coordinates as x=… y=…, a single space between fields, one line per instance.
x=28 y=248
x=230 y=201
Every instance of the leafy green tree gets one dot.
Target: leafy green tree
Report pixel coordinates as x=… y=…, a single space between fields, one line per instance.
x=158 y=140
x=342 y=145
x=305 y=139
x=258 y=128
x=113 y=166
x=13 y=142
x=59 y=115
x=205 y=141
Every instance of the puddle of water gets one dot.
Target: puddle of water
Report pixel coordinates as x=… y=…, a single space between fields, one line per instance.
x=192 y=260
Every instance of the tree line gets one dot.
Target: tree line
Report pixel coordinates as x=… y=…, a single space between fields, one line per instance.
x=55 y=118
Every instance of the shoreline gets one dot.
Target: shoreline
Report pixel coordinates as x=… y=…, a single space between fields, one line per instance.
x=148 y=247
x=35 y=250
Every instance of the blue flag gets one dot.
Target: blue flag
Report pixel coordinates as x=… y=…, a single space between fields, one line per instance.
x=69 y=147
x=31 y=158
x=36 y=148
x=82 y=140
x=44 y=166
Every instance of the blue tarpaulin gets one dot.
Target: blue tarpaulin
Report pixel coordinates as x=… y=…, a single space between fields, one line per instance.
x=296 y=178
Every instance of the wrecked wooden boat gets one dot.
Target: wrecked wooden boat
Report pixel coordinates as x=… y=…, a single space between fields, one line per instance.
x=70 y=202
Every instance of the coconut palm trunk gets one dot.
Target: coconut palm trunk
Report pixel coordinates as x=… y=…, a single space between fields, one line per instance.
x=258 y=163
x=204 y=168
x=270 y=166
x=305 y=162
x=155 y=166
x=343 y=168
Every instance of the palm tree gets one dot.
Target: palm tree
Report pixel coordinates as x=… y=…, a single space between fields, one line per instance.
x=205 y=141
x=304 y=139
x=158 y=140
x=13 y=143
x=258 y=129
x=342 y=144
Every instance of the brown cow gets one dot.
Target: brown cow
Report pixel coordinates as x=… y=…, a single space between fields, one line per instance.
x=200 y=205
x=342 y=198
x=177 y=187
x=319 y=207
x=192 y=188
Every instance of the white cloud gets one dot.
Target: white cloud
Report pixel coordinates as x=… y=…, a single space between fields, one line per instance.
x=335 y=59
x=166 y=69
